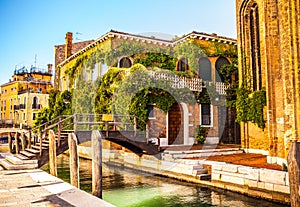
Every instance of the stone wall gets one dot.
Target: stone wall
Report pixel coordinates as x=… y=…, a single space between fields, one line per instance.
x=279 y=37
x=253 y=178
x=59 y=55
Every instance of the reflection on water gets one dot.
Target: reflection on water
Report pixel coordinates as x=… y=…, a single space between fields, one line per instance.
x=124 y=188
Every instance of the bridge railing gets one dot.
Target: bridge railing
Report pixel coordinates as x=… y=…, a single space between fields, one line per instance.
x=75 y=122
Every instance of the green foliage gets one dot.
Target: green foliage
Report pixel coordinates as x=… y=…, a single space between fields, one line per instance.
x=191 y=51
x=53 y=95
x=203 y=97
x=201 y=134
x=221 y=49
x=146 y=97
x=83 y=101
x=72 y=71
x=59 y=104
x=160 y=60
x=139 y=89
x=209 y=95
x=229 y=70
x=231 y=95
x=107 y=86
x=284 y=167
x=250 y=106
x=63 y=105
x=43 y=116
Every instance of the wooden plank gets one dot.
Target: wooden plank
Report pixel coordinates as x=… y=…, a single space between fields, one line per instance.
x=97 y=164
x=294 y=173
x=52 y=154
x=74 y=160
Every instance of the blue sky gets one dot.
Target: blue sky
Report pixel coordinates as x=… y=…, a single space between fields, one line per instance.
x=31 y=28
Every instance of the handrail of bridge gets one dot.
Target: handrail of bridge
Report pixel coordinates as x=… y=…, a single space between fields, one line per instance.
x=63 y=122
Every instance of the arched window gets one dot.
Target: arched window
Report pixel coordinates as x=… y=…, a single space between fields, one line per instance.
x=255 y=48
x=219 y=63
x=125 y=62
x=205 y=69
x=35 y=103
x=182 y=64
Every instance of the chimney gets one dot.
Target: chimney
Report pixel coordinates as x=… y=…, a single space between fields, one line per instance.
x=49 y=68
x=68 y=45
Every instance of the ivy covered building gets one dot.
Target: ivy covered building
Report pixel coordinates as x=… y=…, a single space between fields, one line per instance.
x=171 y=70
x=269 y=62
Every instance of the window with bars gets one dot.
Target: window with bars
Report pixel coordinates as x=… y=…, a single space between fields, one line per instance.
x=206 y=117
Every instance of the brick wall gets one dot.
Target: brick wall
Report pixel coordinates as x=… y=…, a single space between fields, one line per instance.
x=280 y=60
x=59 y=55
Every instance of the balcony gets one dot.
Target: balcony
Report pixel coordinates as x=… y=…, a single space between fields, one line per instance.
x=194 y=84
x=36 y=106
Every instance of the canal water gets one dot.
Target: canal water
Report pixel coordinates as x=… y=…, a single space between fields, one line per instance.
x=130 y=188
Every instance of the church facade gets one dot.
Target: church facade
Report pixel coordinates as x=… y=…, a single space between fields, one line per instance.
x=269 y=60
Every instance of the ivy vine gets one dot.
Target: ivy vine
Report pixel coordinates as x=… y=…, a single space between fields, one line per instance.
x=250 y=106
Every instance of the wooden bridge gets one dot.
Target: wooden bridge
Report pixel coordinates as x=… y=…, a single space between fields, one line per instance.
x=31 y=147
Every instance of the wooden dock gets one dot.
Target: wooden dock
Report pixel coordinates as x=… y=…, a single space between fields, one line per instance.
x=37 y=188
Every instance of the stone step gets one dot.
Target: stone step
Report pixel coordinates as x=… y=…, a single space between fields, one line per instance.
x=204 y=176
x=43 y=145
x=201 y=151
x=205 y=154
x=197 y=167
x=28 y=154
x=26 y=160
x=9 y=166
x=68 y=130
x=33 y=151
x=38 y=147
x=14 y=160
x=201 y=171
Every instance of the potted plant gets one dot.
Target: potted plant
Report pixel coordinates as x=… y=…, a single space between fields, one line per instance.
x=201 y=134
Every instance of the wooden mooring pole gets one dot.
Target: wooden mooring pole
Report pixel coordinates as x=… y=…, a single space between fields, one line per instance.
x=17 y=142
x=97 y=164
x=74 y=160
x=23 y=141
x=294 y=173
x=52 y=154
x=10 y=142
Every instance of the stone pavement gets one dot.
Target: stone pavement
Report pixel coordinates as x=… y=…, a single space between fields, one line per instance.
x=38 y=188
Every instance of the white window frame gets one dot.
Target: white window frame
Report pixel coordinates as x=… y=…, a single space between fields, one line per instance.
x=211 y=116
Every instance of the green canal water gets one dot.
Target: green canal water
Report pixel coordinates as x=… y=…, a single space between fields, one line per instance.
x=130 y=188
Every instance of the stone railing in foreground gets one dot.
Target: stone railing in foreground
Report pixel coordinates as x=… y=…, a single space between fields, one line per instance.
x=255 y=178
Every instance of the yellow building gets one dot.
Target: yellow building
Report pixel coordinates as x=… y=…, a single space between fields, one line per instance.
x=24 y=95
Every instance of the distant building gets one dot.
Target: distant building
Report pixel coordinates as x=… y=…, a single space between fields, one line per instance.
x=25 y=95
